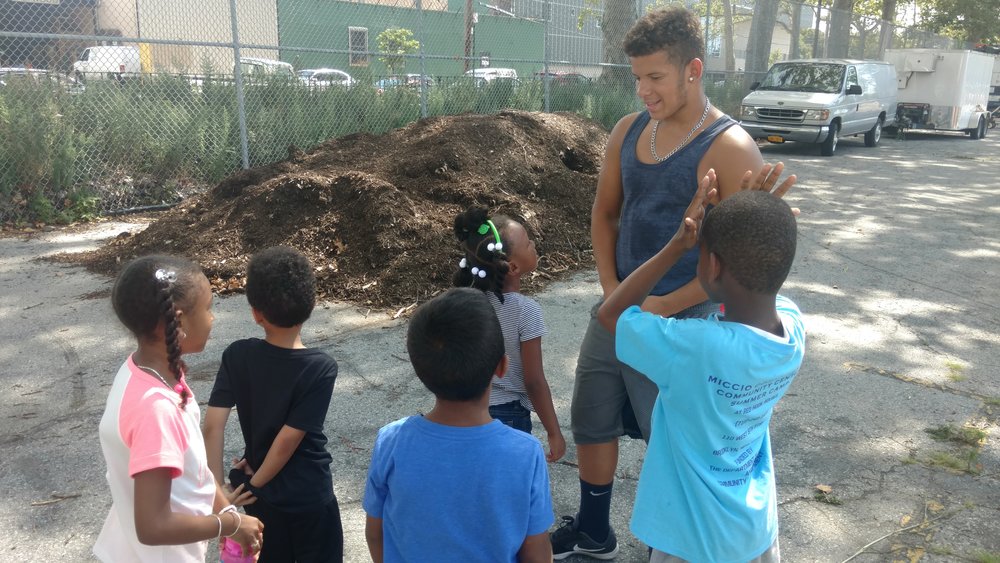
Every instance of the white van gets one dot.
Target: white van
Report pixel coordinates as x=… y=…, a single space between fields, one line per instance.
x=820 y=101
x=115 y=62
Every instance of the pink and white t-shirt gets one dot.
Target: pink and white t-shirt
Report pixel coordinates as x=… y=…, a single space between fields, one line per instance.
x=143 y=428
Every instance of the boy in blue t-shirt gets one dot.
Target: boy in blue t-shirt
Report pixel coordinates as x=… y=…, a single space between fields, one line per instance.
x=707 y=491
x=455 y=484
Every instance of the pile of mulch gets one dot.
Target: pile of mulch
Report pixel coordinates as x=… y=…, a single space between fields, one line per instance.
x=374 y=213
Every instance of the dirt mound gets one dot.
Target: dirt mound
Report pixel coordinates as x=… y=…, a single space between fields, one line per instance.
x=374 y=213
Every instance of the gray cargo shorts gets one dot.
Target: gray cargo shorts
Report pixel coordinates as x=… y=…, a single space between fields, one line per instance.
x=605 y=387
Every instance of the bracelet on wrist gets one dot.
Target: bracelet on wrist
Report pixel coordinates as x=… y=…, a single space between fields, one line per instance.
x=219 y=520
x=239 y=522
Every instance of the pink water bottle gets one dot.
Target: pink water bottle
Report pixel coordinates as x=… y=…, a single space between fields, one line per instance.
x=233 y=553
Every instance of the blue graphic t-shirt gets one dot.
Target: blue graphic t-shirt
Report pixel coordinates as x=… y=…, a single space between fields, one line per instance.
x=706 y=491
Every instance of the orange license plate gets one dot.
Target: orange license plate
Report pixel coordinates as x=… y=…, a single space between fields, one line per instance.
x=775 y=139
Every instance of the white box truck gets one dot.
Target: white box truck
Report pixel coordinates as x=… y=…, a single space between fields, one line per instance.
x=944 y=90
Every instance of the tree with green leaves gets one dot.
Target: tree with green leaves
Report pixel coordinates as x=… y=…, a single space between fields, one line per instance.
x=395 y=43
x=973 y=21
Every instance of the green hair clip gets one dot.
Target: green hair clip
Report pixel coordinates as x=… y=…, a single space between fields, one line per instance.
x=485 y=228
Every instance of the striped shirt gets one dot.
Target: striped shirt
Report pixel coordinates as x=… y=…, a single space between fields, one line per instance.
x=520 y=320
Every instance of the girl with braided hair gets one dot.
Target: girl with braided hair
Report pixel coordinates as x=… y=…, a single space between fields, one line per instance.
x=497 y=253
x=165 y=502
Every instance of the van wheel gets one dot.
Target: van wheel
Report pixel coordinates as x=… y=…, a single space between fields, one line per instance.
x=830 y=144
x=875 y=135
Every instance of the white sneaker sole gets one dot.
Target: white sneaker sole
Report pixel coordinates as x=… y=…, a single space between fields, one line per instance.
x=601 y=556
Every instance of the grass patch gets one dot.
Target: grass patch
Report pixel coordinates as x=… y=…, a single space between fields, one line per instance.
x=828 y=498
x=985 y=556
x=992 y=401
x=940 y=550
x=966 y=435
x=955 y=371
x=965 y=462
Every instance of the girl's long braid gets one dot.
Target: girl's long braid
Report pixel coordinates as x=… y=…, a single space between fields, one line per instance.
x=176 y=364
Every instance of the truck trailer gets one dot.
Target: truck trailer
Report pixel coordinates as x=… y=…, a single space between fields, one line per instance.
x=943 y=90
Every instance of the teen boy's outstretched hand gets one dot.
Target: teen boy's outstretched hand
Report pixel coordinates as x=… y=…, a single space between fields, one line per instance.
x=687 y=232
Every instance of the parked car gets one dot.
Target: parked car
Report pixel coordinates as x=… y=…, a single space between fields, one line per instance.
x=408 y=80
x=489 y=74
x=820 y=101
x=113 y=62
x=58 y=81
x=322 y=78
x=563 y=78
x=255 y=68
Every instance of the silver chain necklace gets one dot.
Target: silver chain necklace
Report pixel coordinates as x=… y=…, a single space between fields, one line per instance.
x=656 y=124
x=157 y=374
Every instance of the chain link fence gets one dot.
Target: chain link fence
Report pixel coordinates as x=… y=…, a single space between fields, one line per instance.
x=116 y=105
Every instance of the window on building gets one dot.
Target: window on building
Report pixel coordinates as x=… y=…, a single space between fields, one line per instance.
x=358 y=45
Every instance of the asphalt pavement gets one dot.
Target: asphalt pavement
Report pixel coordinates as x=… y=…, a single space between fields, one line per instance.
x=885 y=445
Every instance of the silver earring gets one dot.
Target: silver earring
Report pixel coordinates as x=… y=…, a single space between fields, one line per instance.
x=690 y=79
x=183 y=335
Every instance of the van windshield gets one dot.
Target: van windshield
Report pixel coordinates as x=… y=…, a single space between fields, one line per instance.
x=804 y=77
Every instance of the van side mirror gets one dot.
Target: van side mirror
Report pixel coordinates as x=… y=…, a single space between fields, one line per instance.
x=853 y=90
x=755 y=85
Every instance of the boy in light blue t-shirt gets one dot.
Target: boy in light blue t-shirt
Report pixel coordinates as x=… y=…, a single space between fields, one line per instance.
x=707 y=490
x=455 y=484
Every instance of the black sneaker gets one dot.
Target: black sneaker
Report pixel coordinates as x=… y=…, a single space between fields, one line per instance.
x=569 y=540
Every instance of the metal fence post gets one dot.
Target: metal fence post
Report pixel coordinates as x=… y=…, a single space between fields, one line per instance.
x=423 y=65
x=238 y=75
x=546 y=13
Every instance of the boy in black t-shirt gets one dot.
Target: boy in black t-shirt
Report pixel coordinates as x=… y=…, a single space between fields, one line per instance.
x=281 y=390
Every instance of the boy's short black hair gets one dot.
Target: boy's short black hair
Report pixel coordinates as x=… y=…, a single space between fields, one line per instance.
x=674 y=29
x=753 y=233
x=282 y=286
x=455 y=344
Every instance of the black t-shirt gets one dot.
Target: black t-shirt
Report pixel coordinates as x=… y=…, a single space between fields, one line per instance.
x=271 y=387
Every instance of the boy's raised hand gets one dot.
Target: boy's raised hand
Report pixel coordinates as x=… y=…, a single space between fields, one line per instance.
x=687 y=232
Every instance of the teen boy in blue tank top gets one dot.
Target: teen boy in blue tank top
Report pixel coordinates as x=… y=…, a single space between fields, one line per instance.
x=652 y=165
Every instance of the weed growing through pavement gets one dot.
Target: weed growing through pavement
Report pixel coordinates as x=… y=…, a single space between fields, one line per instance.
x=940 y=550
x=955 y=370
x=966 y=435
x=967 y=461
x=828 y=498
x=985 y=556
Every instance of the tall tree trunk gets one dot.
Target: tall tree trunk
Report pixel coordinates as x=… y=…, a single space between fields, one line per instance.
x=727 y=36
x=887 y=27
x=619 y=15
x=839 y=40
x=796 y=33
x=765 y=14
